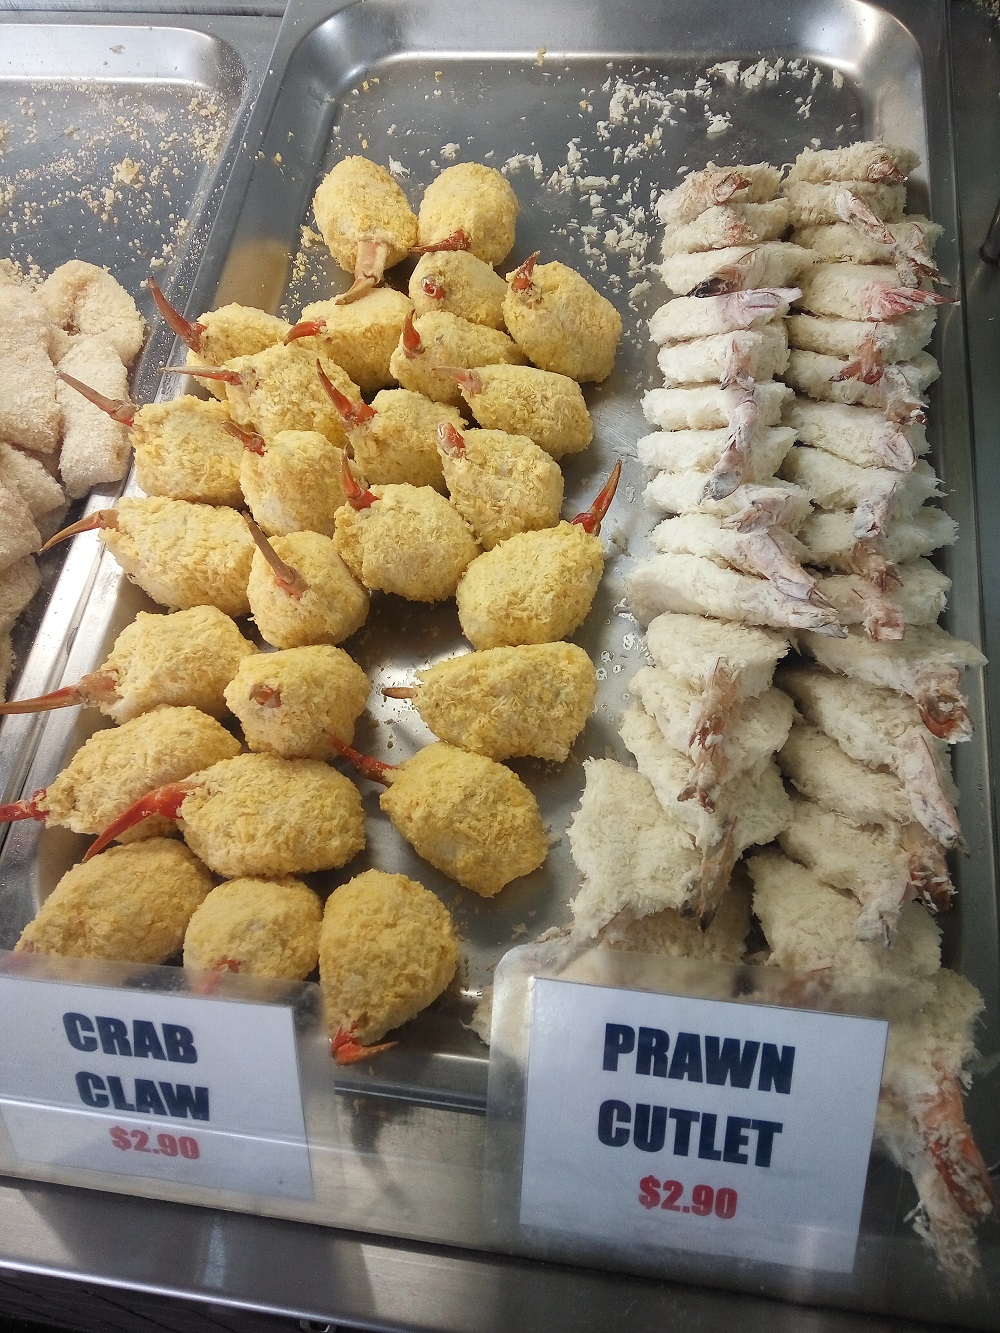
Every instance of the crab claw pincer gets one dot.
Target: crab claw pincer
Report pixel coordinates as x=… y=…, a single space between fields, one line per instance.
x=190 y=332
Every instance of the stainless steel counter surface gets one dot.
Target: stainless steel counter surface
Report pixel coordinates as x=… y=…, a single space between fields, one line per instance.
x=310 y=1272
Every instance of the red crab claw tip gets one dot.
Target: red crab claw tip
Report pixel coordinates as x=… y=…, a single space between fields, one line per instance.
x=288 y=579
x=456 y=240
x=29 y=809
x=94 y=688
x=190 y=332
x=306 y=328
x=590 y=519
x=450 y=440
x=265 y=695
x=467 y=380
x=346 y=1051
x=373 y=769
x=520 y=279
x=410 y=338
x=165 y=801
x=226 y=965
x=358 y=497
x=100 y=518
x=249 y=439
x=118 y=409
x=432 y=289
x=204 y=373
x=353 y=413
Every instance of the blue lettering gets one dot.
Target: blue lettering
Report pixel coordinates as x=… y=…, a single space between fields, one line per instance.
x=613 y=1135
x=650 y=1127
x=706 y=1138
x=145 y=1042
x=180 y=1045
x=775 y=1069
x=91 y=1090
x=682 y=1133
x=736 y=1138
x=76 y=1025
x=118 y=1093
x=182 y=1101
x=114 y=1037
x=651 y=1056
x=687 y=1057
x=147 y=1099
x=733 y=1062
x=618 y=1040
x=766 y=1130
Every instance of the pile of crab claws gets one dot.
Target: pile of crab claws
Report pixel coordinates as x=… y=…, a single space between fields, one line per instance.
x=190 y=332
x=100 y=518
x=590 y=520
x=346 y=1051
x=165 y=801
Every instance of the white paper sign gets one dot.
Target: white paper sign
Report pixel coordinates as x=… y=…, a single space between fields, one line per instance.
x=701 y=1125
x=195 y=1090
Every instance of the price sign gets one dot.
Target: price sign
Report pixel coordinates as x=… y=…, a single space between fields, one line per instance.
x=695 y=1124
x=195 y=1090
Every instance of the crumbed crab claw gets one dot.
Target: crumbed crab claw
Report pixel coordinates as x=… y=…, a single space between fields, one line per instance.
x=730 y=468
x=457 y=240
x=590 y=520
x=521 y=278
x=358 y=497
x=100 y=518
x=97 y=688
x=346 y=1051
x=352 y=413
x=373 y=769
x=943 y=708
x=288 y=579
x=869 y=365
x=888 y=303
x=432 y=289
x=919 y=773
x=250 y=440
x=727 y=279
x=880 y=620
x=868 y=559
x=190 y=332
x=29 y=809
x=450 y=441
x=368 y=270
x=118 y=409
x=306 y=328
x=165 y=801
x=928 y=868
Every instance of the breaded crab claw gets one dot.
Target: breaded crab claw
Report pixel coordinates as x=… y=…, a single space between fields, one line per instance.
x=359 y=337
x=365 y=220
x=301 y=592
x=115 y=766
x=508 y=703
x=219 y=335
x=288 y=701
x=183 y=450
x=387 y=948
x=470 y=817
x=458 y=282
x=132 y=905
x=475 y=200
x=257 y=927
x=500 y=484
x=438 y=339
x=560 y=321
x=523 y=400
x=257 y=815
x=180 y=554
x=407 y=540
x=183 y=659
x=536 y=587
x=291 y=482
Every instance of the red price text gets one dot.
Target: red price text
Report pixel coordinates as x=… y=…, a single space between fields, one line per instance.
x=164 y=1145
x=669 y=1195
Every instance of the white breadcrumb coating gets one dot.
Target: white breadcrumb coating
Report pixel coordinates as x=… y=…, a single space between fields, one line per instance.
x=839 y=242
x=725 y=225
x=829 y=537
x=20 y=582
x=258 y=927
x=95 y=448
x=130 y=904
x=919 y=600
x=818 y=768
x=812 y=203
x=834 y=483
x=815 y=374
x=29 y=414
x=387 y=948
x=706 y=360
x=24 y=474
x=861 y=435
x=689 y=646
x=700 y=190
x=330 y=609
x=184 y=452
x=857 y=162
x=19 y=536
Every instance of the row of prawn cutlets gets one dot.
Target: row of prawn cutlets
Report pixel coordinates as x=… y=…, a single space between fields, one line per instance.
x=348 y=500
x=798 y=514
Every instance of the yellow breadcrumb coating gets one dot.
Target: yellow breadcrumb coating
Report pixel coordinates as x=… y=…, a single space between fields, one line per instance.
x=563 y=324
x=549 y=408
x=183 y=554
x=258 y=927
x=456 y=281
x=359 y=200
x=475 y=199
x=295 y=485
x=183 y=451
x=258 y=814
x=411 y=542
x=184 y=659
x=509 y=703
x=387 y=948
x=289 y=702
x=399 y=444
x=130 y=905
x=447 y=340
x=470 y=817
x=361 y=336
x=82 y=299
x=502 y=484
x=333 y=606
x=234 y=330
x=536 y=587
x=280 y=390
x=112 y=769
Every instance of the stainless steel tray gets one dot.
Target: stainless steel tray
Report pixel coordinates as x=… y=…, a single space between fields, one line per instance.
x=402 y=80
